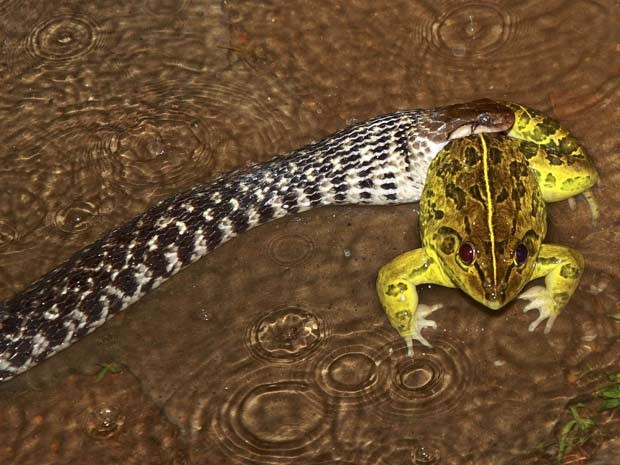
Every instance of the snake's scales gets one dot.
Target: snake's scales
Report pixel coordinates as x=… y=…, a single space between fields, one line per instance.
x=381 y=161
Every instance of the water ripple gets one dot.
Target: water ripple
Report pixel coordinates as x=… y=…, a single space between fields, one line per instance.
x=103 y=422
x=22 y=211
x=252 y=120
x=285 y=335
x=478 y=47
x=433 y=381
x=469 y=30
x=290 y=249
x=353 y=373
x=583 y=328
x=110 y=421
x=264 y=422
x=418 y=451
x=159 y=149
x=76 y=217
x=64 y=38
x=134 y=144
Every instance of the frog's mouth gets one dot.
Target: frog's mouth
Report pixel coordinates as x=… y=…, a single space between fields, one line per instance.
x=493 y=305
x=494 y=295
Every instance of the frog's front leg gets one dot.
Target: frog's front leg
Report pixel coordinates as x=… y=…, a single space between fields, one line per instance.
x=396 y=288
x=562 y=268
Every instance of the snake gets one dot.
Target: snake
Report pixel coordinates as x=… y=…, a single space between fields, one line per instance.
x=381 y=161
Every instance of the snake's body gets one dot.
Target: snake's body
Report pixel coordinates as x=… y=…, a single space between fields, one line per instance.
x=381 y=161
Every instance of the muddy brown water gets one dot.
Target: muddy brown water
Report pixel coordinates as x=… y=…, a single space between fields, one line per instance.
x=274 y=349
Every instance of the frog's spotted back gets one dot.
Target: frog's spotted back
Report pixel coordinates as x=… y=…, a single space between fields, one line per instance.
x=480 y=191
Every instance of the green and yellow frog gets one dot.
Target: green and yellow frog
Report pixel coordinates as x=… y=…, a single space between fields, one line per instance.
x=483 y=222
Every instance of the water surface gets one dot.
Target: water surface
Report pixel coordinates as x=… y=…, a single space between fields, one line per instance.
x=274 y=349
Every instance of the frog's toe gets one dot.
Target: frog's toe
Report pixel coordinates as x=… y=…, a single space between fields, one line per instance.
x=540 y=299
x=418 y=324
x=543 y=314
x=423 y=311
x=572 y=203
x=592 y=205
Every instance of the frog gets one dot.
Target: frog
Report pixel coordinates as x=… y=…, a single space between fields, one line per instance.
x=483 y=221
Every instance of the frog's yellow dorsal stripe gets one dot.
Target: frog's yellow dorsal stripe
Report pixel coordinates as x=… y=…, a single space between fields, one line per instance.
x=487 y=185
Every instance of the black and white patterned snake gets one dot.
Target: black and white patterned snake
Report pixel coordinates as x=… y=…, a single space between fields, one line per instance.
x=378 y=162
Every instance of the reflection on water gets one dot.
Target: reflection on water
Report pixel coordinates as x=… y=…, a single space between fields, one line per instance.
x=274 y=349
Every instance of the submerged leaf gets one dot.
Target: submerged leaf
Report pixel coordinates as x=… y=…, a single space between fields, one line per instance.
x=574 y=432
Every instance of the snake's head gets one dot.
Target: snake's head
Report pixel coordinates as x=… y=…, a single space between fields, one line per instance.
x=479 y=116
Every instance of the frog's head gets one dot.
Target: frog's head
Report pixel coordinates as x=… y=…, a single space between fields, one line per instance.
x=483 y=217
x=491 y=272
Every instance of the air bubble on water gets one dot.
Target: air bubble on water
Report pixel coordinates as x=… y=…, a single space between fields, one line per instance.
x=472 y=27
x=424 y=455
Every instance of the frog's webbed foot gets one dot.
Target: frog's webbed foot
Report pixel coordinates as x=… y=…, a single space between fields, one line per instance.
x=417 y=324
x=540 y=299
x=562 y=268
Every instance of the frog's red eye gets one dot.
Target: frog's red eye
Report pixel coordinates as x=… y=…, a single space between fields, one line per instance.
x=521 y=254
x=467 y=253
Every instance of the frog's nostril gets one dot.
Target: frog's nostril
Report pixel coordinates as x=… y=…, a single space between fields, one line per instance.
x=491 y=295
x=494 y=292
